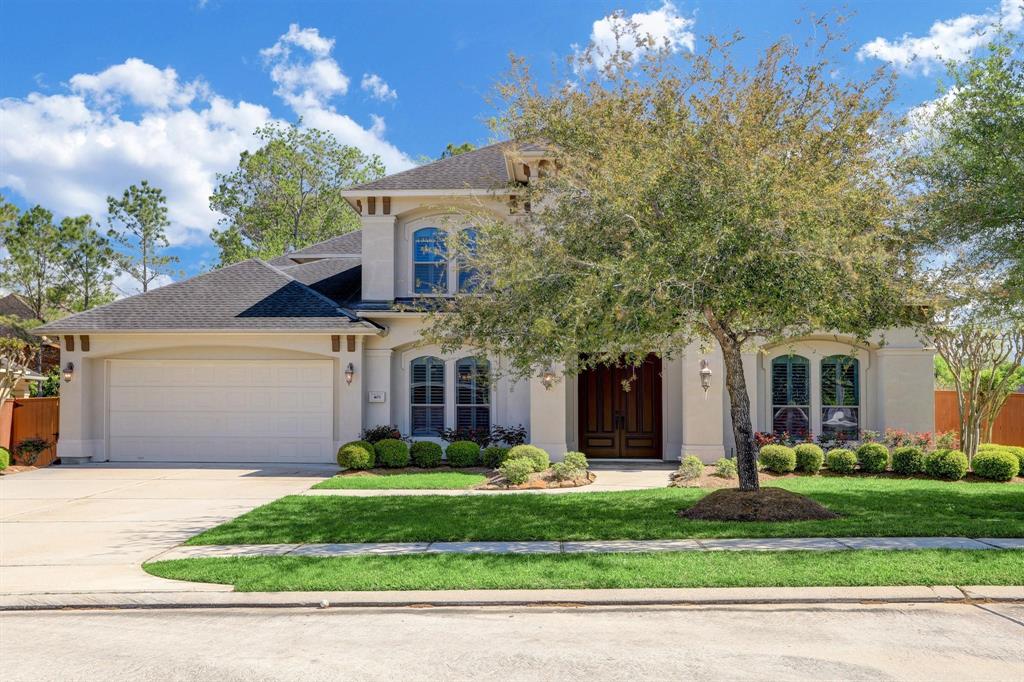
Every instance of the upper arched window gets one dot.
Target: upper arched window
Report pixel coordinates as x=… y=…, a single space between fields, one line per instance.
x=426 y=395
x=473 y=394
x=791 y=395
x=840 y=396
x=468 y=275
x=430 y=260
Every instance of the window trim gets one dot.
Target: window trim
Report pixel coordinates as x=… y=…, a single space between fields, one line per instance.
x=445 y=260
x=477 y=363
x=443 y=405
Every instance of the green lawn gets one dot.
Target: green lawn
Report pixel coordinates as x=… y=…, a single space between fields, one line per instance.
x=670 y=569
x=433 y=480
x=869 y=507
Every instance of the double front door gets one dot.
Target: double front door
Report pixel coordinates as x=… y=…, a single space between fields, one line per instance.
x=620 y=411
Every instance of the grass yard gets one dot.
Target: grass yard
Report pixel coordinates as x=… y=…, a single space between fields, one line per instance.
x=434 y=480
x=868 y=507
x=538 y=571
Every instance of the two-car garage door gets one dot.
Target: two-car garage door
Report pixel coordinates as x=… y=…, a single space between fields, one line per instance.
x=220 y=410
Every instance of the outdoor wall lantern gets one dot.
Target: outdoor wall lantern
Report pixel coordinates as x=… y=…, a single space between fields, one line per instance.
x=705 y=377
x=547 y=378
x=350 y=371
x=69 y=372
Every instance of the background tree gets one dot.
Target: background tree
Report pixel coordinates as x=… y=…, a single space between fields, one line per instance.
x=17 y=348
x=286 y=194
x=138 y=224
x=87 y=264
x=694 y=199
x=455 y=149
x=31 y=266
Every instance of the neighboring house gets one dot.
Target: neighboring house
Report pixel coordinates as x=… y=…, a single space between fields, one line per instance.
x=282 y=361
x=47 y=352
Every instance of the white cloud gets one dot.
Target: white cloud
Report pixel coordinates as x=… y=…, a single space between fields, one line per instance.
x=377 y=87
x=952 y=39
x=142 y=83
x=665 y=25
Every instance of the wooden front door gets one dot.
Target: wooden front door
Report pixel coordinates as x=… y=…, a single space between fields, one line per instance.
x=615 y=422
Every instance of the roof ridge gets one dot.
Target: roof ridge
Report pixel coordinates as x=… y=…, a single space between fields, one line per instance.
x=461 y=157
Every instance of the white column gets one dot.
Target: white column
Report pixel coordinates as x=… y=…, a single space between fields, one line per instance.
x=548 y=423
x=349 y=398
x=379 y=258
x=703 y=416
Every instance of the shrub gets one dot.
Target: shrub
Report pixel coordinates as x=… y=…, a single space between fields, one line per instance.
x=392 y=452
x=996 y=465
x=809 y=458
x=539 y=459
x=27 y=451
x=426 y=454
x=948 y=464
x=690 y=468
x=463 y=453
x=778 y=459
x=494 y=456
x=376 y=434
x=1014 y=450
x=517 y=470
x=5 y=459
x=355 y=455
x=725 y=468
x=873 y=457
x=577 y=460
x=841 y=461
x=562 y=471
x=908 y=460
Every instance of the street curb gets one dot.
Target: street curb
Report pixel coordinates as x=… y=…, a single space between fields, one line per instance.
x=513 y=598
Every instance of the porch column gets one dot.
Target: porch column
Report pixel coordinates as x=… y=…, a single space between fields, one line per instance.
x=703 y=416
x=350 y=397
x=548 y=414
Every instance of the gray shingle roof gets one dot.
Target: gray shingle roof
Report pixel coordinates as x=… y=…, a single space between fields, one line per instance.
x=246 y=296
x=348 y=243
x=482 y=168
x=339 y=279
x=13 y=305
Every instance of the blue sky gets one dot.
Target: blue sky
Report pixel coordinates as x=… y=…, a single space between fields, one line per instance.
x=97 y=95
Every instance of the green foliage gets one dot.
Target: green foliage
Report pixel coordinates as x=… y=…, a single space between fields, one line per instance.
x=138 y=224
x=538 y=458
x=841 y=461
x=908 y=460
x=27 y=452
x=690 y=468
x=576 y=460
x=426 y=454
x=873 y=458
x=355 y=455
x=392 y=452
x=947 y=464
x=778 y=459
x=725 y=468
x=996 y=465
x=517 y=471
x=87 y=265
x=561 y=471
x=1014 y=450
x=5 y=458
x=50 y=387
x=287 y=193
x=809 y=458
x=31 y=265
x=463 y=453
x=455 y=149
x=375 y=434
x=494 y=455
x=15 y=354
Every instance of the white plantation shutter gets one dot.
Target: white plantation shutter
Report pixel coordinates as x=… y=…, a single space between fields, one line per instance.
x=472 y=394
x=427 y=396
x=791 y=395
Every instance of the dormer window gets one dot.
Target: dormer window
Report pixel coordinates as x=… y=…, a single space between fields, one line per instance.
x=430 y=260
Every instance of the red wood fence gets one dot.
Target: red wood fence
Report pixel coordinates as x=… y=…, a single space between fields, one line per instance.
x=24 y=418
x=1009 y=426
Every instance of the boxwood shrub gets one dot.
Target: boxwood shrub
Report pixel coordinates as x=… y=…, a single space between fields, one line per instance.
x=5 y=459
x=948 y=464
x=577 y=460
x=841 y=461
x=778 y=459
x=725 y=468
x=690 y=468
x=516 y=470
x=996 y=465
x=494 y=455
x=538 y=458
x=426 y=454
x=809 y=458
x=356 y=455
x=873 y=458
x=908 y=460
x=392 y=452
x=1014 y=450
x=565 y=472
x=463 y=453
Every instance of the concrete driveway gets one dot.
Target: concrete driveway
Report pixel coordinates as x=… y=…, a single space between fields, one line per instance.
x=89 y=528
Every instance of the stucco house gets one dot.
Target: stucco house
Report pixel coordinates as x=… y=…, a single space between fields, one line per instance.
x=282 y=361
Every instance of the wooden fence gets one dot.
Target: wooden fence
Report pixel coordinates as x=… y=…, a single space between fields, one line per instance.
x=1009 y=426
x=24 y=418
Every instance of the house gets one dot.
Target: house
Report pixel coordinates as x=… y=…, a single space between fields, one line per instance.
x=283 y=361
x=46 y=356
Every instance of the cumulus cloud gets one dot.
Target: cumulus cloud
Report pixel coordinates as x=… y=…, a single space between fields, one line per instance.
x=665 y=25
x=143 y=84
x=950 y=39
x=377 y=87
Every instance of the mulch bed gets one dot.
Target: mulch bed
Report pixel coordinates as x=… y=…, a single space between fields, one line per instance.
x=382 y=471
x=766 y=504
x=710 y=480
x=541 y=481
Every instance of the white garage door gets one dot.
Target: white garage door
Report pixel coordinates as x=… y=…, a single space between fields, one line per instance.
x=221 y=410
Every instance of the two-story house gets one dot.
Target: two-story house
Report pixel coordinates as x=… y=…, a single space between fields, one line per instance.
x=282 y=361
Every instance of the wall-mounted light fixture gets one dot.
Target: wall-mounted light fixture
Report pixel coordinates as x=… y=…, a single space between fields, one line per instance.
x=350 y=372
x=547 y=378
x=69 y=371
x=705 y=377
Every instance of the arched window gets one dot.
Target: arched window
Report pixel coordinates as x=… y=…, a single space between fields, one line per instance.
x=468 y=275
x=427 y=396
x=791 y=395
x=840 y=396
x=473 y=394
x=430 y=260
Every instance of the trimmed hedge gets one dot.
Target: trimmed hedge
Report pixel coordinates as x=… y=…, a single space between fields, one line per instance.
x=841 y=461
x=950 y=465
x=5 y=459
x=539 y=459
x=873 y=458
x=463 y=453
x=577 y=460
x=778 y=459
x=996 y=465
x=690 y=468
x=392 y=452
x=908 y=460
x=1014 y=450
x=809 y=458
x=426 y=454
x=494 y=456
x=355 y=456
x=517 y=470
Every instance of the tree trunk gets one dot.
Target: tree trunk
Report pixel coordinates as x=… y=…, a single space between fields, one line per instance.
x=739 y=402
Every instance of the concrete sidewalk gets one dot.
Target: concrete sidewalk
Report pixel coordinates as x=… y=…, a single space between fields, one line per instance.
x=589 y=547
